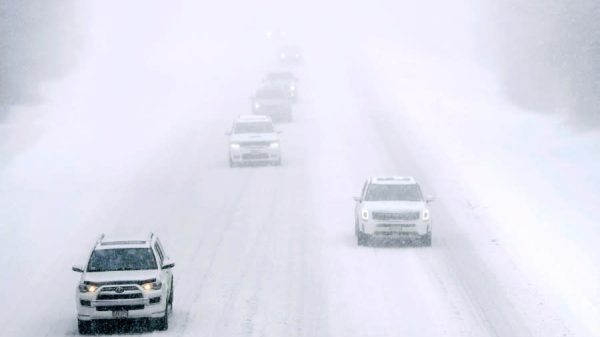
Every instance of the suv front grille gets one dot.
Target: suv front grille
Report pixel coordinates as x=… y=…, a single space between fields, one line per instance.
x=119 y=296
x=247 y=156
x=122 y=288
x=255 y=144
x=396 y=216
x=120 y=307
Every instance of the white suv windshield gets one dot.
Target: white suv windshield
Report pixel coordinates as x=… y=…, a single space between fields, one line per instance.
x=379 y=192
x=120 y=259
x=259 y=127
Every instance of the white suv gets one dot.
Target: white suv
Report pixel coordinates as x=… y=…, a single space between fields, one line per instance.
x=253 y=139
x=392 y=208
x=125 y=278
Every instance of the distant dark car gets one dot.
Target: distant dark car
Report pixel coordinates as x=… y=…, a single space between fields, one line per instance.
x=290 y=55
x=283 y=81
x=273 y=102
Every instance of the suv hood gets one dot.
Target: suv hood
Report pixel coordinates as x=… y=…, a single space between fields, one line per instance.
x=113 y=276
x=394 y=206
x=254 y=137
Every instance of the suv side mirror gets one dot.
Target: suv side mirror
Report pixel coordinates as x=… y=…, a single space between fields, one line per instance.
x=357 y=199
x=429 y=198
x=168 y=265
x=77 y=268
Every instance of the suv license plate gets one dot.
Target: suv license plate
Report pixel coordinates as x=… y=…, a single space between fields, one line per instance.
x=120 y=314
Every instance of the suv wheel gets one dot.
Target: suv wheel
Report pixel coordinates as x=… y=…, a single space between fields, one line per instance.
x=427 y=240
x=84 y=327
x=362 y=239
x=171 y=295
x=162 y=324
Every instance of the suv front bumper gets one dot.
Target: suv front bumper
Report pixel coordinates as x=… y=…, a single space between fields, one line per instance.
x=254 y=155
x=410 y=229
x=88 y=308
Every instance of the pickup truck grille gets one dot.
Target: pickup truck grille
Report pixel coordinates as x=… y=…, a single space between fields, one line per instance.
x=396 y=216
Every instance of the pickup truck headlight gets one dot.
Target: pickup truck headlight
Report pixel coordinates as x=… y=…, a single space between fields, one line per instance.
x=88 y=288
x=274 y=145
x=156 y=285
x=425 y=215
x=234 y=146
x=364 y=214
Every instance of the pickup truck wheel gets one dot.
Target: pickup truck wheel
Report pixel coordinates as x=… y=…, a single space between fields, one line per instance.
x=84 y=327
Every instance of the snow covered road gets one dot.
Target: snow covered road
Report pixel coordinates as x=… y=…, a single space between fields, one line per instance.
x=259 y=251
x=270 y=251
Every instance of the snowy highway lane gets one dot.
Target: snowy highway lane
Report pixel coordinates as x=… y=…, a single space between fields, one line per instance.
x=270 y=251
x=259 y=251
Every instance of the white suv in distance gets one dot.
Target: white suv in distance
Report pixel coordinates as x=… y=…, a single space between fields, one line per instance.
x=125 y=279
x=253 y=139
x=285 y=81
x=392 y=208
x=273 y=101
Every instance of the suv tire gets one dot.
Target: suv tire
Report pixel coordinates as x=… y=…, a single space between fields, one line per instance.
x=84 y=327
x=162 y=324
x=426 y=240
x=171 y=295
x=362 y=239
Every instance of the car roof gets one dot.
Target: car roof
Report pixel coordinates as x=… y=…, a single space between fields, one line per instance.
x=124 y=241
x=252 y=118
x=393 y=180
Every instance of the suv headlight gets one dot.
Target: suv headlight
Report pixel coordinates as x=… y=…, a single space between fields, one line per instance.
x=364 y=214
x=234 y=146
x=88 y=288
x=274 y=145
x=155 y=285
x=425 y=214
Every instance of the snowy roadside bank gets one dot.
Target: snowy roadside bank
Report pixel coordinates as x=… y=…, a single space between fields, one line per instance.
x=524 y=180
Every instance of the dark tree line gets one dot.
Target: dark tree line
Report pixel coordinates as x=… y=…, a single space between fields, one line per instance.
x=39 y=41
x=548 y=54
